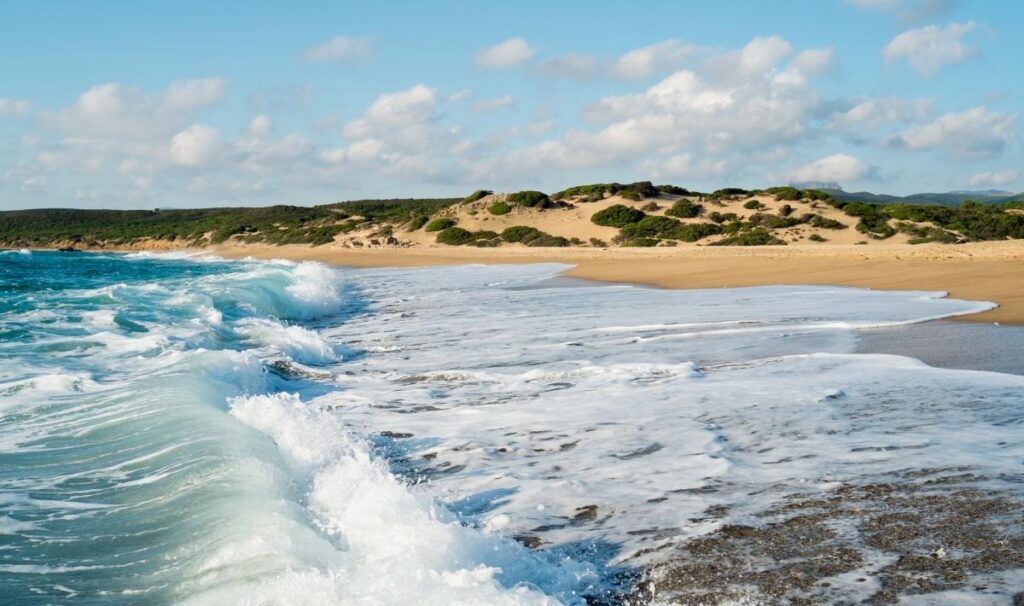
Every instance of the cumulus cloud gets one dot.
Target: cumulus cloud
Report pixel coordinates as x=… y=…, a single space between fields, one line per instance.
x=193 y=94
x=12 y=108
x=400 y=134
x=571 y=65
x=407 y=108
x=664 y=56
x=929 y=48
x=994 y=178
x=119 y=111
x=195 y=146
x=683 y=166
x=513 y=52
x=970 y=134
x=340 y=49
x=836 y=168
x=736 y=102
x=870 y=114
x=260 y=125
x=492 y=104
x=815 y=61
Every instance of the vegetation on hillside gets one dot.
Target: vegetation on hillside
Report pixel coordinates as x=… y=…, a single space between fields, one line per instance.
x=383 y=220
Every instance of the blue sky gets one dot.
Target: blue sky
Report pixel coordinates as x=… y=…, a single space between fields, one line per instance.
x=141 y=105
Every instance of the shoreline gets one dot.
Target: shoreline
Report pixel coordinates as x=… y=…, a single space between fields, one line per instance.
x=984 y=271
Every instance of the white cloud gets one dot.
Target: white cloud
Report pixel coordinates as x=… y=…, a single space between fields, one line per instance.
x=493 y=104
x=930 y=48
x=871 y=114
x=815 y=61
x=12 y=108
x=193 y=94
x=738 y=102
x=195 y=146
x=340 y=49
x=664 y=56
x=970 y=134
x=417 y=105
x=836 y=168
x=510 y=53
x=571 y=65
x=400 y=134
x=260 y=125
x=994 y=179
x=125 y=112
x=757 y=57
x=683 y=166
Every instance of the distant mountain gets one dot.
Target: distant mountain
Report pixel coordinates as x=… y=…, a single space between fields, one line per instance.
x=952 y=198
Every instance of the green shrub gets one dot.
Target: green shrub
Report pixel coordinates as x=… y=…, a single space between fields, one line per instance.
x=418 y=222
x=519 y=233
x=598 y=243
x=786 y=210
x=485 y=234
x=753 y=237
x=455 y=236
x=547 y=240
x=641 y=242
x=392 y=211
x=785 y=193
x=440 y=224
x=597 y=191
x=477 y=195
x=826 y=223
x=816 y=238
x=649 y=227
x=530 y=199
x=718 y=217
x=727 y=193
x=617 y=215
x=676 y=191
x=692 y=232
x=685 y=209
x=773 y=221
x=753 y=205
x=499 y=208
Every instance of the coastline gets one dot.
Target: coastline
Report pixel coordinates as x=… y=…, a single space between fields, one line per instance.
x=982 y=271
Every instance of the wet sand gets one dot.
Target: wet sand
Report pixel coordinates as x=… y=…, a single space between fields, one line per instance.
x=952 y=344
x=983 y=271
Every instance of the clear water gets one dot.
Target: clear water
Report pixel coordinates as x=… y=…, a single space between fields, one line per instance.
x=181 y=430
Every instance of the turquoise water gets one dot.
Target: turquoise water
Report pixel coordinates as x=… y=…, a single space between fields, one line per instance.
x=122 y=478
x=187 y=430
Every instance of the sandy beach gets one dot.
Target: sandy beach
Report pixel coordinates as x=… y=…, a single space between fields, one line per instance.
x=988 y=271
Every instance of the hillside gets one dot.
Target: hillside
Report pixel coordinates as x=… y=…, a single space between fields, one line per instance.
x=953 y=198
x=596 y=216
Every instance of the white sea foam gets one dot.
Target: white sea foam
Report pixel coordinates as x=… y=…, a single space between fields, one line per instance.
x=300 y=344
x=601 y=421
x=393 y=545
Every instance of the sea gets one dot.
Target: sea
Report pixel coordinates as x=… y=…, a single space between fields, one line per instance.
x=183 y=429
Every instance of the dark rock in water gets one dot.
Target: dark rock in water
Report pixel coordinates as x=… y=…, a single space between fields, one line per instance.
x=1018 y=600
x=530 y=541
x=395 y=434
x=68 y=249
x=651 y=449
x=287 y=370
x=585 y=513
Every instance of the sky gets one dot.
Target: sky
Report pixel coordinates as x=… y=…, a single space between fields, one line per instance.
x=189 y=104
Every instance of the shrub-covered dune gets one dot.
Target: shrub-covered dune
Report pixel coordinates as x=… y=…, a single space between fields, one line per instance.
x=597 y=215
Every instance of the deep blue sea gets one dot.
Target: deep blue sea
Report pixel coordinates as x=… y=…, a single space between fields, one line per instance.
x=189 y=430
